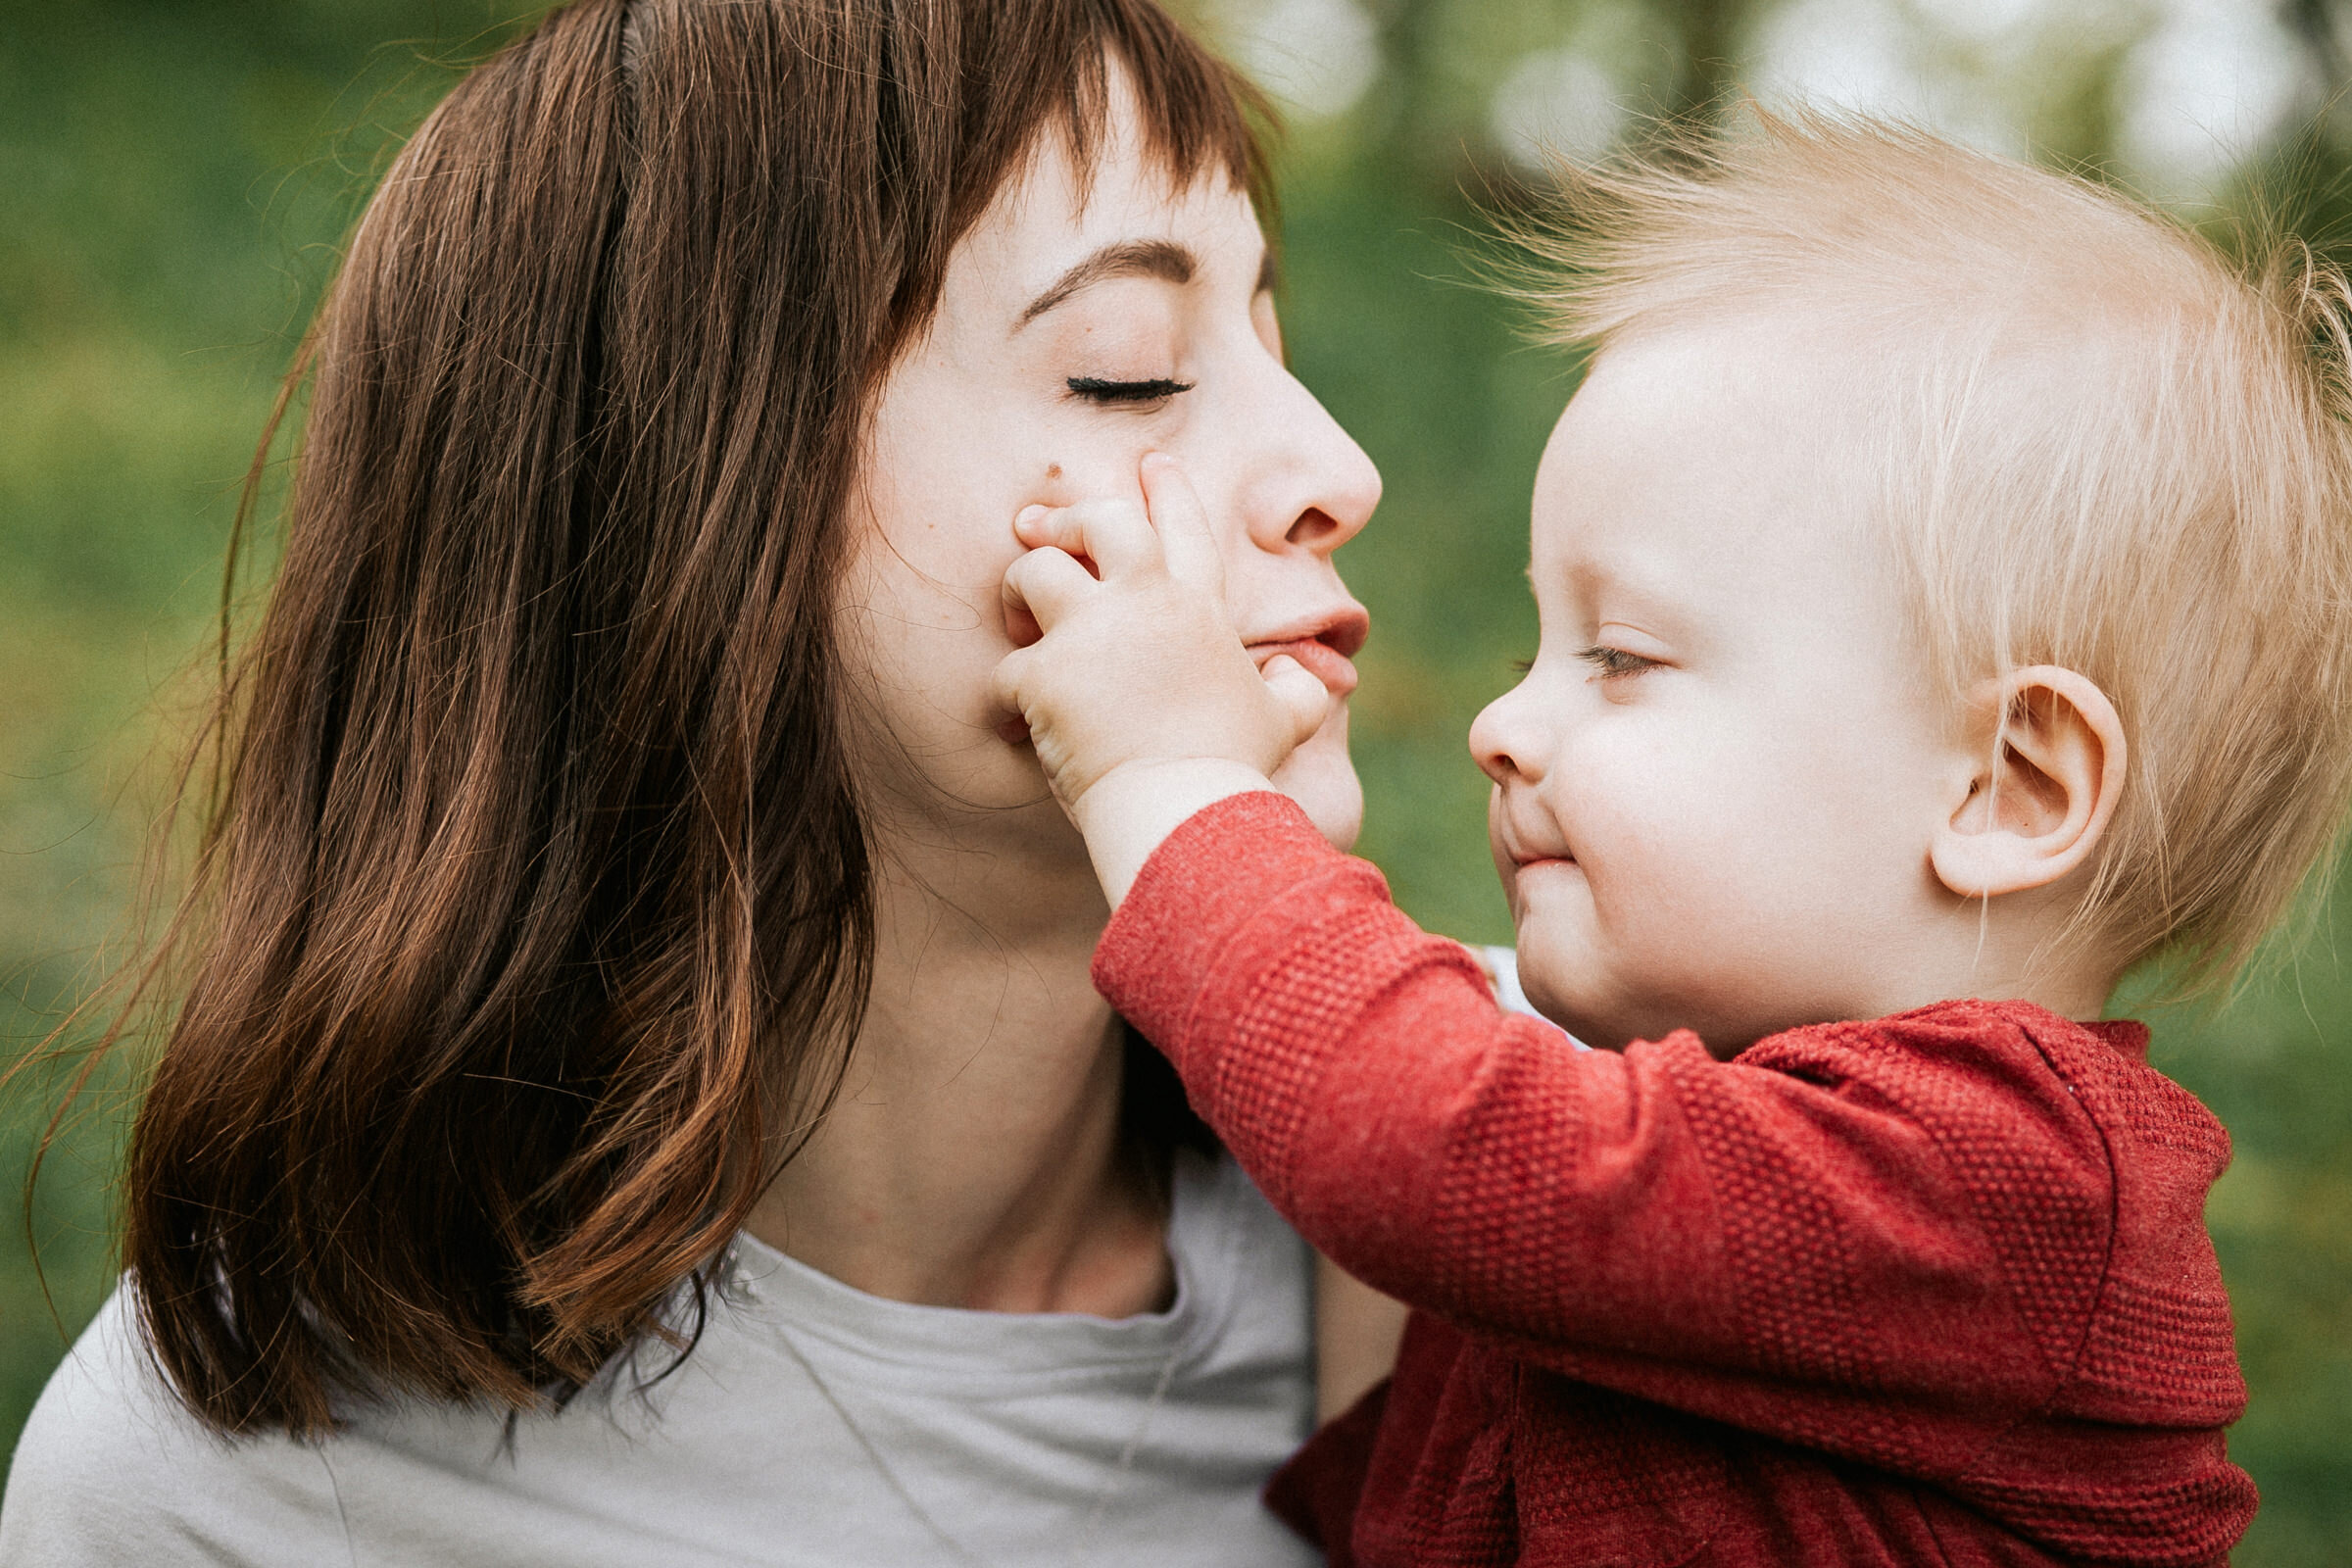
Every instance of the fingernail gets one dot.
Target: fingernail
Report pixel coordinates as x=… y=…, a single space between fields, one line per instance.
x=1156 y=459
x=1028 y=516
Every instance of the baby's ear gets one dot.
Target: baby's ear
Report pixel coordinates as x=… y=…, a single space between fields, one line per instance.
x=2048 y=777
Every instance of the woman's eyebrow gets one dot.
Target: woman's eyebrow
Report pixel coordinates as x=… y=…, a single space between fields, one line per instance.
x=1128 y=257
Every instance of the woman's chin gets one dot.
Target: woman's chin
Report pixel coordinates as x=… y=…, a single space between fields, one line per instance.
x=1321 y=777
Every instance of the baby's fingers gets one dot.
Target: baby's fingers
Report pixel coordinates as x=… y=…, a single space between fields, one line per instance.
x=1304 y=699
x=1044 y=585
x=1115 y=535
x=1004 y=689
x=1177 y=517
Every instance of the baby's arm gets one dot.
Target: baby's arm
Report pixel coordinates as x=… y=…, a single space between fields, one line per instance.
x=1146 y=711
x=1747 y=1243
x=1141 y=701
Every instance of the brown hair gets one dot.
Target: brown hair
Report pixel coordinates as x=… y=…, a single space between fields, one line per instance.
x=532 y=917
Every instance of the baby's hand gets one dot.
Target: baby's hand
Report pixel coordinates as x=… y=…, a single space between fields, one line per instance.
x=1141 y=700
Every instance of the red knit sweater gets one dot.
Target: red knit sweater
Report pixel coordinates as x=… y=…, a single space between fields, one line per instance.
x=1932 y=1289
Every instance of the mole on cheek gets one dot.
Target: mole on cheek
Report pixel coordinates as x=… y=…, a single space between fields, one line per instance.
x=1052 y=471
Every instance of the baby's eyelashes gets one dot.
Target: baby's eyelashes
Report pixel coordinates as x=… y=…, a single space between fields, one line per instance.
x=1609 y=663
x=1606 y=661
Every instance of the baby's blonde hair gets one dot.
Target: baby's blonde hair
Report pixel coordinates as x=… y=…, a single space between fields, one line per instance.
x=2099 y=444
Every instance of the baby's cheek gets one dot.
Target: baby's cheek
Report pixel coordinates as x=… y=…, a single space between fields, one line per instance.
x=1555 y=964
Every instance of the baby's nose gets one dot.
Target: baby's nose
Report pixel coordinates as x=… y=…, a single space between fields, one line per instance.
x=1508 y=746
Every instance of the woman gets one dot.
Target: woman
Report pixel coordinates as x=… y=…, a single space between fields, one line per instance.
x=638 y=1095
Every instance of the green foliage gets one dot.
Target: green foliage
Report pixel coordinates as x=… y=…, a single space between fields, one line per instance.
x=180 y=174
x=2273 y=1066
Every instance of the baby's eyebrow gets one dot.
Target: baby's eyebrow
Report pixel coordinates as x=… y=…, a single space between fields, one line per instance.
x=1162 y=258
x=1622 y=586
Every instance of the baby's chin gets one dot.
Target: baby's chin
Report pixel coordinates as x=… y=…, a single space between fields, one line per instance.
x=1558 y=975
x=1321 y=777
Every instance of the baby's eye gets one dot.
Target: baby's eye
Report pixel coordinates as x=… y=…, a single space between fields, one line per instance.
x=1610 y=663
x=1093 y=389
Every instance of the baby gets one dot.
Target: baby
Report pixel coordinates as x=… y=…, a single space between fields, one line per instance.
x=1945 y=582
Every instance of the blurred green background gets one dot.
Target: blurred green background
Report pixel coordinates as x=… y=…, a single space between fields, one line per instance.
x=176 y=177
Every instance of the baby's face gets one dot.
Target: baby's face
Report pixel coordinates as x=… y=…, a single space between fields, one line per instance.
x=1716 y=789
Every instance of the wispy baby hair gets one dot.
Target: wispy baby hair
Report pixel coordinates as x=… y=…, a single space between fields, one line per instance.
x=2096 y=442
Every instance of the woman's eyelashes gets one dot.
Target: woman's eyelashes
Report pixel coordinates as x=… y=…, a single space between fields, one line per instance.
x=1109 y=393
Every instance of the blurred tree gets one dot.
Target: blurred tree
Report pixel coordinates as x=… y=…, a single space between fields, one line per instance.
x=1707 y=62
x=2318 y=26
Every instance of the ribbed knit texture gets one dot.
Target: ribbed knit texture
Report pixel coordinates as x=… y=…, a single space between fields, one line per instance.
x=1928 y=1289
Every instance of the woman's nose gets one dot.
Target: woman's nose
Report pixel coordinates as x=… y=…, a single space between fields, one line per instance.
x=1318 y=487
x=1507 y=739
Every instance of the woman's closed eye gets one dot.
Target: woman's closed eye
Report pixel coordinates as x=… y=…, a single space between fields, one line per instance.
x=1107 y=392
x=1608 y=663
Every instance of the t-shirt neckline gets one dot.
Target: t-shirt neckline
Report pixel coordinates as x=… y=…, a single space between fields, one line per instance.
x=876 y=1334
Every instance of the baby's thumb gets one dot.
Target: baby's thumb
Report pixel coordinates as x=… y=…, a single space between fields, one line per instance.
x=1004 y=684
x=1304 y=699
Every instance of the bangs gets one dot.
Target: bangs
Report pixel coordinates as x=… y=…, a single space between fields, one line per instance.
x=1198 y=115
x=1029 y=67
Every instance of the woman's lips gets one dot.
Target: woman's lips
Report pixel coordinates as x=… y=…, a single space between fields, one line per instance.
x=1335 y=669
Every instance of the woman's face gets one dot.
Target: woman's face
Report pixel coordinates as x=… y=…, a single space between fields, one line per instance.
x=1077 y=330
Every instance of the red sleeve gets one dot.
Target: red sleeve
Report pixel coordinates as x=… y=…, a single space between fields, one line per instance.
x=1317 y=1491
x=1786 y=1243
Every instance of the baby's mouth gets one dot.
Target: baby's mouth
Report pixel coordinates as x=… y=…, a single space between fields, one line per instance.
x=1522 y=855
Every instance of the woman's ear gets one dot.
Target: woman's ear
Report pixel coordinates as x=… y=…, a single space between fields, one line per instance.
x=2050 y=777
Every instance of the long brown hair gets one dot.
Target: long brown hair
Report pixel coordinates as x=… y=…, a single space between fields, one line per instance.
x=531 y=915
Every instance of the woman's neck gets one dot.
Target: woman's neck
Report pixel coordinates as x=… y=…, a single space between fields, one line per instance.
x=974 y=1157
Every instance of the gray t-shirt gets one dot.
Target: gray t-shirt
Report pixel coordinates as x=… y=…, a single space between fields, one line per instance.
x=812 y=1424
